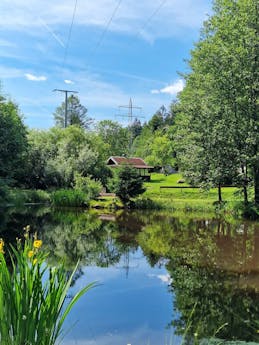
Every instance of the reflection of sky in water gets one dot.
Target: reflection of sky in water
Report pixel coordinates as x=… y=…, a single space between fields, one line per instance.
x=123 y=310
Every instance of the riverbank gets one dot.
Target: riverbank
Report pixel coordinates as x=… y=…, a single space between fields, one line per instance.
x=162 y=192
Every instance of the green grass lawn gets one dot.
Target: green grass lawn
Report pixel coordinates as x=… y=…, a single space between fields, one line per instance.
x=192 y=198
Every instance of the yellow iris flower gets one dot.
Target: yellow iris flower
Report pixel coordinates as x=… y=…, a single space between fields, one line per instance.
x=37 y=244
x=30 y=253
x=1 y=246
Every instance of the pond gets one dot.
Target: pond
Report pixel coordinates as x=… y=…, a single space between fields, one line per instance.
x=162 y=278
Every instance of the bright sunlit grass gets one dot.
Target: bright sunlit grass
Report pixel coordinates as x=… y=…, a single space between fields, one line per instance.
x=179 y=194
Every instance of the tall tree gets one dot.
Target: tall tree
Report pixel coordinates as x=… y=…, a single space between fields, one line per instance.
x=218 y=104
x=13 y=140
x=116 y=137
x=76 y=114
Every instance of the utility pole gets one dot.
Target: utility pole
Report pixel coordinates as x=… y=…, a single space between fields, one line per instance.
x=66 y=92
x=130 y=116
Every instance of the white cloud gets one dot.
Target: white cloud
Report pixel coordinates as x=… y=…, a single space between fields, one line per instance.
x=165 y=278
x=172 y=89
x=33 y=77
x=136 y=18
x=155 y=92
x=67 y=81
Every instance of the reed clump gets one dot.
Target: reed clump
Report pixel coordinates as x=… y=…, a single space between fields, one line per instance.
x=33 y=305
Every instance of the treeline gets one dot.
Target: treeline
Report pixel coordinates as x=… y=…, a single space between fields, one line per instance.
x=53 y=158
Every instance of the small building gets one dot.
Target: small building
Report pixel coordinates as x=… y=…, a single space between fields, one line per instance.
x=135 y=162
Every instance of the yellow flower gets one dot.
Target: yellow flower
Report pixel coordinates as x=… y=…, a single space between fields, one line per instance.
x=1 y=246
x=30 y=253
x=37 y=244
x=34 y=261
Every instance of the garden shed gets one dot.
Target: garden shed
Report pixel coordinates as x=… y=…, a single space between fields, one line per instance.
x=135 y=162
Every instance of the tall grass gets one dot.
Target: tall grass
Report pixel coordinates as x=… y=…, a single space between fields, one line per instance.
x=32 y=296
x=69 y=198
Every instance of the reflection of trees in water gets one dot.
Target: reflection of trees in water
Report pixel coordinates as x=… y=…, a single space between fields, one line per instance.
x=214 y=266
x=12 y=221
x=83 y=236
x=231 y=247
x=212 y=304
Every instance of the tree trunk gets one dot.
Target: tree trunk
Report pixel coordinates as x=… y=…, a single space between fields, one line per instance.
x=219 y=193
x=244 y=171
x=256 y=184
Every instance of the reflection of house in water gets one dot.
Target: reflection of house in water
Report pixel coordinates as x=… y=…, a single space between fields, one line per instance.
x=108 y=217
x=134 y=162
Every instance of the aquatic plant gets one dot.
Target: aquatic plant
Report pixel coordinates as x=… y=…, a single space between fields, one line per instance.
x=33 y=305
x=69 y=198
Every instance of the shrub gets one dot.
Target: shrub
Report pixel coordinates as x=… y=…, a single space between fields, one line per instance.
x=4 y=195
x=88 y=186
x=32 y=296
x=127 y=184
x=147 y=204
x=69 y=198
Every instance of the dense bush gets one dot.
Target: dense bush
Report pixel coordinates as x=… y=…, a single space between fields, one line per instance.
x=88 y=186
x=127 y=184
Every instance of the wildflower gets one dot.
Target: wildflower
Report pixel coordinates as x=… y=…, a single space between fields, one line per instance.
x=30 y=253
x=34 y=261
x=1 y=246
x=37 y=244
x=27 y=228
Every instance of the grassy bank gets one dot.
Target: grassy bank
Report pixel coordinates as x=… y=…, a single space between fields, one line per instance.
x=175 y=199
x=156 y=196
x=192 y=199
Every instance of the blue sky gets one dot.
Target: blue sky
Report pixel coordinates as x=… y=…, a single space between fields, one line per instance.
x=137 y=54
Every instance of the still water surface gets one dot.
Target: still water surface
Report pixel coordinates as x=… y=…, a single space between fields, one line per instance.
x=162 y=277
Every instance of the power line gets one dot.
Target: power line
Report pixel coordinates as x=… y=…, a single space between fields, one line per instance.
x=162 y=3
x=106 y=28
x=66 y=92
x=130 y=116
x=69 y=34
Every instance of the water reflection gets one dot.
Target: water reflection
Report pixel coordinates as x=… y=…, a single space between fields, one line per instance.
x=210 y=265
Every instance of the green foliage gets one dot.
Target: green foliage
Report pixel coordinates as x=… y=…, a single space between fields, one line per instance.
x=76 y=114
x=216 y=128
x=88 y=186
x=32 y=296
x=115 y=137
x=247 y=211
x=13 y=141
x=69 y=198
x=127 y=184
x=4 y=194
x=20 y=196
x=147 y=204
x=56 y=155
x=154 y=144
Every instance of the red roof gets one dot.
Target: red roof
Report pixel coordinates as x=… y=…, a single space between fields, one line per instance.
x=136 y=162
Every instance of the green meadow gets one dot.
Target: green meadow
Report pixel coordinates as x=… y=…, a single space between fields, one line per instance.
x=186 y=198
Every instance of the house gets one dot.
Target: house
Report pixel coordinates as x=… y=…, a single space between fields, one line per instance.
x=135 y=162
